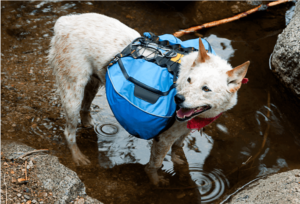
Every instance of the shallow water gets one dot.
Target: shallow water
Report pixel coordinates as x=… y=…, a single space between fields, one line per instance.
x=257 y=137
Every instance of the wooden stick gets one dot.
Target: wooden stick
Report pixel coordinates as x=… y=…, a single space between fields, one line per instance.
x=227 y=20
x=31 y=152
x=26 y=170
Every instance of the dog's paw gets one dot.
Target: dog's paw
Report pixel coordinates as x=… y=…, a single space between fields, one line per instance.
x=78 y=157
x=87 y=126
x=86 y=119
x=176 y=159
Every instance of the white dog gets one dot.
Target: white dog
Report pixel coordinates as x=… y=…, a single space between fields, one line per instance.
x=81 y=49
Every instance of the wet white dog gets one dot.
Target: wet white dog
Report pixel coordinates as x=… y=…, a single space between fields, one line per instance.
x=81 y=49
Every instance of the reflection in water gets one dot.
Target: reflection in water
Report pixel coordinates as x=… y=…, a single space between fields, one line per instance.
x=264 y=170
x=222 y=46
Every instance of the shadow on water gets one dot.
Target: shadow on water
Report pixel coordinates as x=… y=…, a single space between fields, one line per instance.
x=255 y=138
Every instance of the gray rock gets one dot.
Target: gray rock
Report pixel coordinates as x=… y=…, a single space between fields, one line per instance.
x=63 y=182
x=19 y=195
x=27 y=197
x=279 y=188
x=286 y=54
x=254 y=2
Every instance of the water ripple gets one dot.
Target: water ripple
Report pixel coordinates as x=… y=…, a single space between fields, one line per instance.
x=212 y=184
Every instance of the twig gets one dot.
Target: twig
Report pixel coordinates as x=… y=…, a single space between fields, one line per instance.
x=26 y=170
x=267 y=130
x=5 y=190
x=244 y=163
x=226 y=20
x=31 y=152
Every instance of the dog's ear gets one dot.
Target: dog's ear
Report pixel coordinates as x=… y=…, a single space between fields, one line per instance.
x=202 y=54
x=236 y=75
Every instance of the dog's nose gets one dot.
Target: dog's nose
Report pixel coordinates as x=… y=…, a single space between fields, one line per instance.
x=179 y=99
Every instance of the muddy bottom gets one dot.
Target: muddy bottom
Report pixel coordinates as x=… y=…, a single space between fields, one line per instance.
x=259 y=136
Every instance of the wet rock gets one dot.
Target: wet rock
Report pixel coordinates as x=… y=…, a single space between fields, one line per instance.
x=278 y=188
x=286 y=54
x=63 y=182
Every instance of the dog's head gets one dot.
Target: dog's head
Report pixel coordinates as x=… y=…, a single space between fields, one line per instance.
x=207 y=85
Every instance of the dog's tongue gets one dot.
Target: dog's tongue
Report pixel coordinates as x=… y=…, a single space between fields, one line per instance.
x=185 y=112
x=198 y=123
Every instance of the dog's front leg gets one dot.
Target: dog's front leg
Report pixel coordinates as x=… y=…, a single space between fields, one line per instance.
x=158 y=152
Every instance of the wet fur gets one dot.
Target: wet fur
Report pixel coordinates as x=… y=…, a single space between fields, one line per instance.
x=82 y=47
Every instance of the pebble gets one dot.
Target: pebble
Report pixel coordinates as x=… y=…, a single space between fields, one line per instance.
x=30 y=165
x=81 y=201
x=13 y=180
x=27 y=197
x=42 y=194
x=19 y=195
x=28 y=202
x=34 y=201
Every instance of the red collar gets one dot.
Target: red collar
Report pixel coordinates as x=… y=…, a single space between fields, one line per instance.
x=198 y=123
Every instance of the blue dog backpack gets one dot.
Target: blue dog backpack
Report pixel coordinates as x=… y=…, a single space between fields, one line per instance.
x=140 y=82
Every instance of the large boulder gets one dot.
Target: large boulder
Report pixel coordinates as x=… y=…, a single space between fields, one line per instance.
x=279 y=188
x=286 y=54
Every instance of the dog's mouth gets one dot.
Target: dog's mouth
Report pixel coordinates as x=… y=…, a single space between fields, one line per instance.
x=184 y=114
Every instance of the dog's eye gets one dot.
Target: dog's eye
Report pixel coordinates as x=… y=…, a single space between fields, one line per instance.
x=206 y=89
x=233 y=81
x=189 y=80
